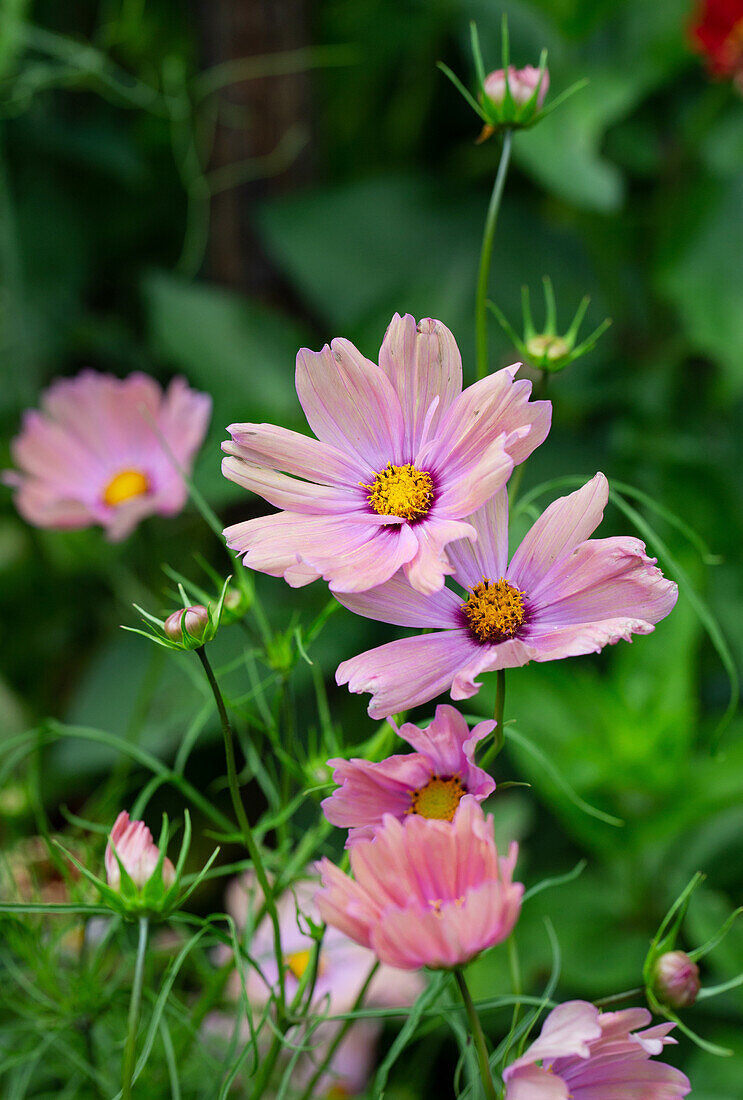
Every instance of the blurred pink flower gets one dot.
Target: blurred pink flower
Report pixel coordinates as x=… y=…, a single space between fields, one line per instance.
x=584 y=1054
x=521 y=82
x=425 y=893
x=138 y=854
x=402 y=455
x=343 y=965
x=429 y=782
x=94 y=452
x=561 y=595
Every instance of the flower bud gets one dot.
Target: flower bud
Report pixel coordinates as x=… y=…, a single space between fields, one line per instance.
x=522 y=84
x=137 y=852
x=187 y=624
x=676 y=979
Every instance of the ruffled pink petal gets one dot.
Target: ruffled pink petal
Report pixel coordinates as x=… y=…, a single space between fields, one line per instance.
x=564 y=525
x=112 y=417
x=450 y=747
x=351 y=404
x=488 y=658
x=627 y=1080
x=351 y=553
x=397 y=603
x=369 y=790
x=487 y=556
x=404 y=673
x=41 y=505
x=300 y=455
x=493 y=406
x=427 y=570
x=476 y=484
x=183 y=419
x=289 y=492
x=424 y=365
x=603 y=578
x=534 y=1083
x=50 y=453
x=345 y=904
x=568 y=1030
x=555 y=643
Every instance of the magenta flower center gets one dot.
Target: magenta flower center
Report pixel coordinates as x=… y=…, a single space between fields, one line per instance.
x=401 y=491
x=127 y=484
x=494 y=610
x=438 y=799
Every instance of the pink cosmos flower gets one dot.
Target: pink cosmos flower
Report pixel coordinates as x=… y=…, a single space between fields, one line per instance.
x=584 y=1054
x=562 y=594
x=521 y=82
x=138 y=853
x=430 y=782
x=425 y=893
x=402 y=455
x=94 y=452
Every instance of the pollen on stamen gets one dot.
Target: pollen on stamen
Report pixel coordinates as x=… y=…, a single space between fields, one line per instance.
x=403 y=491
x=438 y=799
x=494 y=610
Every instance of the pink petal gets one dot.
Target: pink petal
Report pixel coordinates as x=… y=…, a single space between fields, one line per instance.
x=488 y=555
x=300 y=455
x=397 y=603
x=370 y=790
x=423 y=363
x=533 y=1083
x=350 y=553
x=350 y=403
x=426 y=571
x=555 y=643
x=183 y=419
x=488 y=658
x=402 y=674
x=563 y=526
x=450 y=747
x=475 y=485
x=289 y=492
x=603 y=578
x=344 y=904
x=568 y=1030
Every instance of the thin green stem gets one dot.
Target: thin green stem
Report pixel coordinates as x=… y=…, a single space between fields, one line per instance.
x=617 y=998
x=481 y=317
x=515 y=968
x=130 y=1050
x=478 y=1038
x=499 y=734
x=242 y=819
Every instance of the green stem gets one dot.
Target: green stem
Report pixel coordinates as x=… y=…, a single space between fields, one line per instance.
x=513 y=963
x=481 y=317
x=617 y=998
x=477 y=1037
x=130 y=1050
x=242 y=819
x=499 y=734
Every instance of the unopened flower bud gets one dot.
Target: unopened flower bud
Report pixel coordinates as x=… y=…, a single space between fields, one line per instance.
x=553 y=347
x=522 y=84
x=137 y=852
x=188 y=623
x=676 y=979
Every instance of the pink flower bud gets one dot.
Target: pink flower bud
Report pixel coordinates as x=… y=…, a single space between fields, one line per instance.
x=137 y=852
x=522 y=83
x=676 y=979
x=194 y=621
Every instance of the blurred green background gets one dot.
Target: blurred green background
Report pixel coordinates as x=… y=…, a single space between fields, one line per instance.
x=202 y=189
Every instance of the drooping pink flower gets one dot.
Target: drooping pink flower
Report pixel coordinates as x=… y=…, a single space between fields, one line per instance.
x=584 y=1054
x=96 y=452
x=425 y=893
x=522 y=84
x=562 y=594
x=138 y=853
x=429 y=782
x=402 y=455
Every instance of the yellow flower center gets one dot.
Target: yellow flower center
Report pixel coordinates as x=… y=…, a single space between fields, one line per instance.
x=400 y=491
x=298 y=962
x=127 y=484
x=494 y=610
x=439 y=798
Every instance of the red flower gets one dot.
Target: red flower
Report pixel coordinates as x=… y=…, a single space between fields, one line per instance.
x=717 y=33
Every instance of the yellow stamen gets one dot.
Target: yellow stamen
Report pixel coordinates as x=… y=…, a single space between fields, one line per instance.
x=400 y=491
x=127 y=484
x=298 y=962
x=439 y=798
x=494 y=610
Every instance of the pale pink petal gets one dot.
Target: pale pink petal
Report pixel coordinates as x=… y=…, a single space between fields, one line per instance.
x=300 y=455
x=289 y=492
x=534 y=1083
x=488 y=658
x=555 y=643
x=449 y=746
x=370 y=790
x=402 y=674
x=561 y=527
x=603 y=578
x=345 y=904
x=424 y=365
x=427 y=570
x=487 y=556
x=568 y=1030
x=350 y=403
x=397 y=603
x=477 y=483
x=349 y=552
x=183 y=419
x=41 y=505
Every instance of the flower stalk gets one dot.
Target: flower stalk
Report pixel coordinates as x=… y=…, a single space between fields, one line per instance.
x=481 y=319
x=130 y=1050
x=478 y=1037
